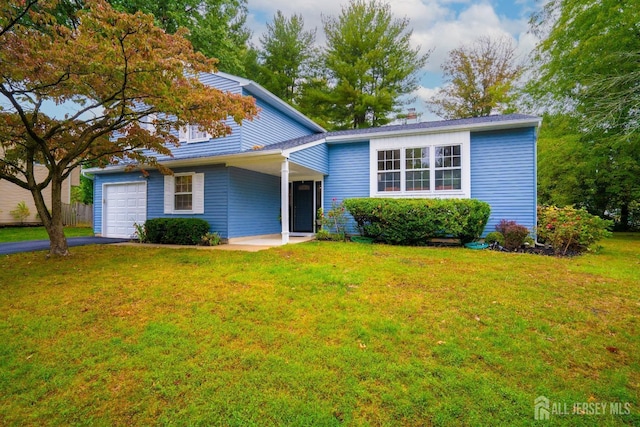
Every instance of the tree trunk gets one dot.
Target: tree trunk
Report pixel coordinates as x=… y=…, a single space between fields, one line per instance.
x=53 y=221
x=624 y=217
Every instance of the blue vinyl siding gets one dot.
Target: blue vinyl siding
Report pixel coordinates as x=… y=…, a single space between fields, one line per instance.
x=98 y=181
x=254 y=203
x=348 y=174
x=221 y=83
x=503 y=174
x=271 y=126
x=316 y=158
x=227 y=144
x=215 y=197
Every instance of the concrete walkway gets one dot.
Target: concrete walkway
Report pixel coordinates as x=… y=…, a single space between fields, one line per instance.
x=43 y=245
x=247 y=245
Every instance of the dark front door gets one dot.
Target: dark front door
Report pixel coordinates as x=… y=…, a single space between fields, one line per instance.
x=303 y=212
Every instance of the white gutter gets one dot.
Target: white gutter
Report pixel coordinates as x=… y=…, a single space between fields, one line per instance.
x=191 y=162
x=84 y=172
x=507 y=124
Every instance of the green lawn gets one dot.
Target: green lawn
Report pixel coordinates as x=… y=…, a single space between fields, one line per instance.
x=19 y=234
x=318 y=334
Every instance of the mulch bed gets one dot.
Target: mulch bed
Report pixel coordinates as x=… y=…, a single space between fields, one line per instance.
x=537 y=250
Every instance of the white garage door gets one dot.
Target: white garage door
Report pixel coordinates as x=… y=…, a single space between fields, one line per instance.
x=124 y=205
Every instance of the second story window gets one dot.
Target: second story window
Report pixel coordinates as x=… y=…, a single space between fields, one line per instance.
x=193 y=133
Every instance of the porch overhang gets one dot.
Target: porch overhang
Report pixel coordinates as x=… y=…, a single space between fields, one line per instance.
x=268 y=162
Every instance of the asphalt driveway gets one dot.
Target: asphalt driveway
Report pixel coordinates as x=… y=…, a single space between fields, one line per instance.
x=43 y=245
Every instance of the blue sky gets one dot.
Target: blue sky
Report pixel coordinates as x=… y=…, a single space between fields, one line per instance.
x=441 y=25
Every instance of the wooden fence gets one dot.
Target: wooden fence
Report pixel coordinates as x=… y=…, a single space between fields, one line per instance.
x=77 y=214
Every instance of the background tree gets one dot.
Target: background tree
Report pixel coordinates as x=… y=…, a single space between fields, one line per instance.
x=316 y=101
x=106 y=76
x=217 y=28
x=562 y=163
x=370 y=63
x=587 y=67
x=285 y=56
x=479 y=80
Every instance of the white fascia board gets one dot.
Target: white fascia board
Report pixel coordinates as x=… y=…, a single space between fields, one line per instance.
x=507 y=124
x=241 y=80
x=270 y=98
x=198 y=161
x=287 y=152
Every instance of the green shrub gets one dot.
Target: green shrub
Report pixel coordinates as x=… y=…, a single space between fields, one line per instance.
x=416 y=221
x=494 y=237
x=211 y=239
x=514 y=234
x=324 y=234
x=569 y=229
x=176 y=231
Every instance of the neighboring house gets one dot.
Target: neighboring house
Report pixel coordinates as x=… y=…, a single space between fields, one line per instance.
x=272 y=174
x=11 y=195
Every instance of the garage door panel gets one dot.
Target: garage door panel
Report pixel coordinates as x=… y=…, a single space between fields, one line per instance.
x=124 y=205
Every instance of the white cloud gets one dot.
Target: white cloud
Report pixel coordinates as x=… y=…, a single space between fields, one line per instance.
x=476 y=21
x=424 y=93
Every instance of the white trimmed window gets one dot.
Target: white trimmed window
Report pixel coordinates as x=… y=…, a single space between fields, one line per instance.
x=389 y=170
x=184 y=193
x=417 y=175
x=193 y=133
x=432 y=165
x=448 y=168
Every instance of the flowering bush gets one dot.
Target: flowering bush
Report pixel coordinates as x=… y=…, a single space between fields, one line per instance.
x=569 y=229
x=514 y=234
x=334 y=220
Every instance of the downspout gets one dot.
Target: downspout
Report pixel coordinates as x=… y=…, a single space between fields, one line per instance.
x=535 y=183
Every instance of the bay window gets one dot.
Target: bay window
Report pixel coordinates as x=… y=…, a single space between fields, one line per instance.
x=421 y=166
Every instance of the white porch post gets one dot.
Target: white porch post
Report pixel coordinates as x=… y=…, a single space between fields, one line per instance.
x=284 y=200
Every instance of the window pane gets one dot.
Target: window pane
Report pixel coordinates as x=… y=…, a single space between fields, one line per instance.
x=448 y=179
x=196 y=133
x=439 y=157
x=389 y=181
x=183 y=202
x=388 y=160
x=418 y=181
x=417 y=158
x=183 y=184
x=448 y=156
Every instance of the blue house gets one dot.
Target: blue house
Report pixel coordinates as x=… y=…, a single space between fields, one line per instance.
x=271 y=175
